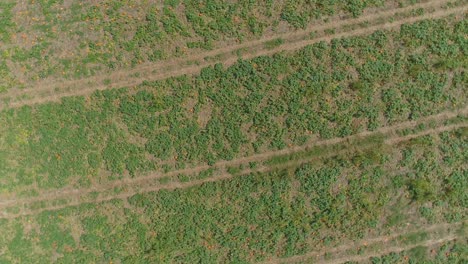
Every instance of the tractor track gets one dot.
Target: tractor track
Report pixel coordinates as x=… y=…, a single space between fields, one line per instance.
x=79 y=199
x=54 y=91
x=144 y=182
x=306 y=258
x=396 y=249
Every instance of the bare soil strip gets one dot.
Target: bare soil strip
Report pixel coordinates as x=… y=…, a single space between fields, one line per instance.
x=397 y=249
x=47 y=92
x=393 y=141
x=368 y=242
x=244 y=160
x=130 y=191
x=78 y=196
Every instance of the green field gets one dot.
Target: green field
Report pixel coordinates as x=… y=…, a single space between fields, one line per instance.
x=352 y=149
x=73 y=39
x=264 y=104
x=257 y=216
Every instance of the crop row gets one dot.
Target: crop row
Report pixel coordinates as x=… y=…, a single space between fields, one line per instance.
x=363 y=143
x=42 y=39
x=254 y=106
x=282 y=213
x=452 y=251
x=428 y=244
x=50 y=90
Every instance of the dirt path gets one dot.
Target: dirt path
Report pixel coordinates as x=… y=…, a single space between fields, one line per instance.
x=370 y=241
x=389 y=250
x=143 y=184
x=80 y=198
x=392 y=141
x=269 y=154
x=46 y=92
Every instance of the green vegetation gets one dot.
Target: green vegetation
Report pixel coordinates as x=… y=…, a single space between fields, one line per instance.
x=271 y=157
x=267 y=103
x=274 y=43
x=6 y=21
x=249 y=218
x=74 y=39
x=449 y=252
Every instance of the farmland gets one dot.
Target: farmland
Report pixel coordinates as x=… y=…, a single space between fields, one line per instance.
x=233 y=131
x=74 y=39
x=313 y=205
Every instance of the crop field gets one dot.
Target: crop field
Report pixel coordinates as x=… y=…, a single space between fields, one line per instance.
x=182 y=131
x=73 y=39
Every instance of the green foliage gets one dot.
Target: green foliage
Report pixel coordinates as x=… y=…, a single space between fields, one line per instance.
x=448 y=252
x=421 y=190
x=267 y=103
x=293 y=16
x=149 y=32
x=455 y=188
x=160 y=146
x=414 y=238
x=19 y=246
x=274 y=43
x=390 y=258
x=247 y=216
x=6 y=21
x=427 y=213
x=286 y=99
x=171 y=23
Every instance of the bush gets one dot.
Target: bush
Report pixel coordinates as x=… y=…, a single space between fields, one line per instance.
x=421 y=190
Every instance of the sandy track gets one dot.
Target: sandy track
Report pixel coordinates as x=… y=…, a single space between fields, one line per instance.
x=143 y=183
x=47 y=92
x=370 y=241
